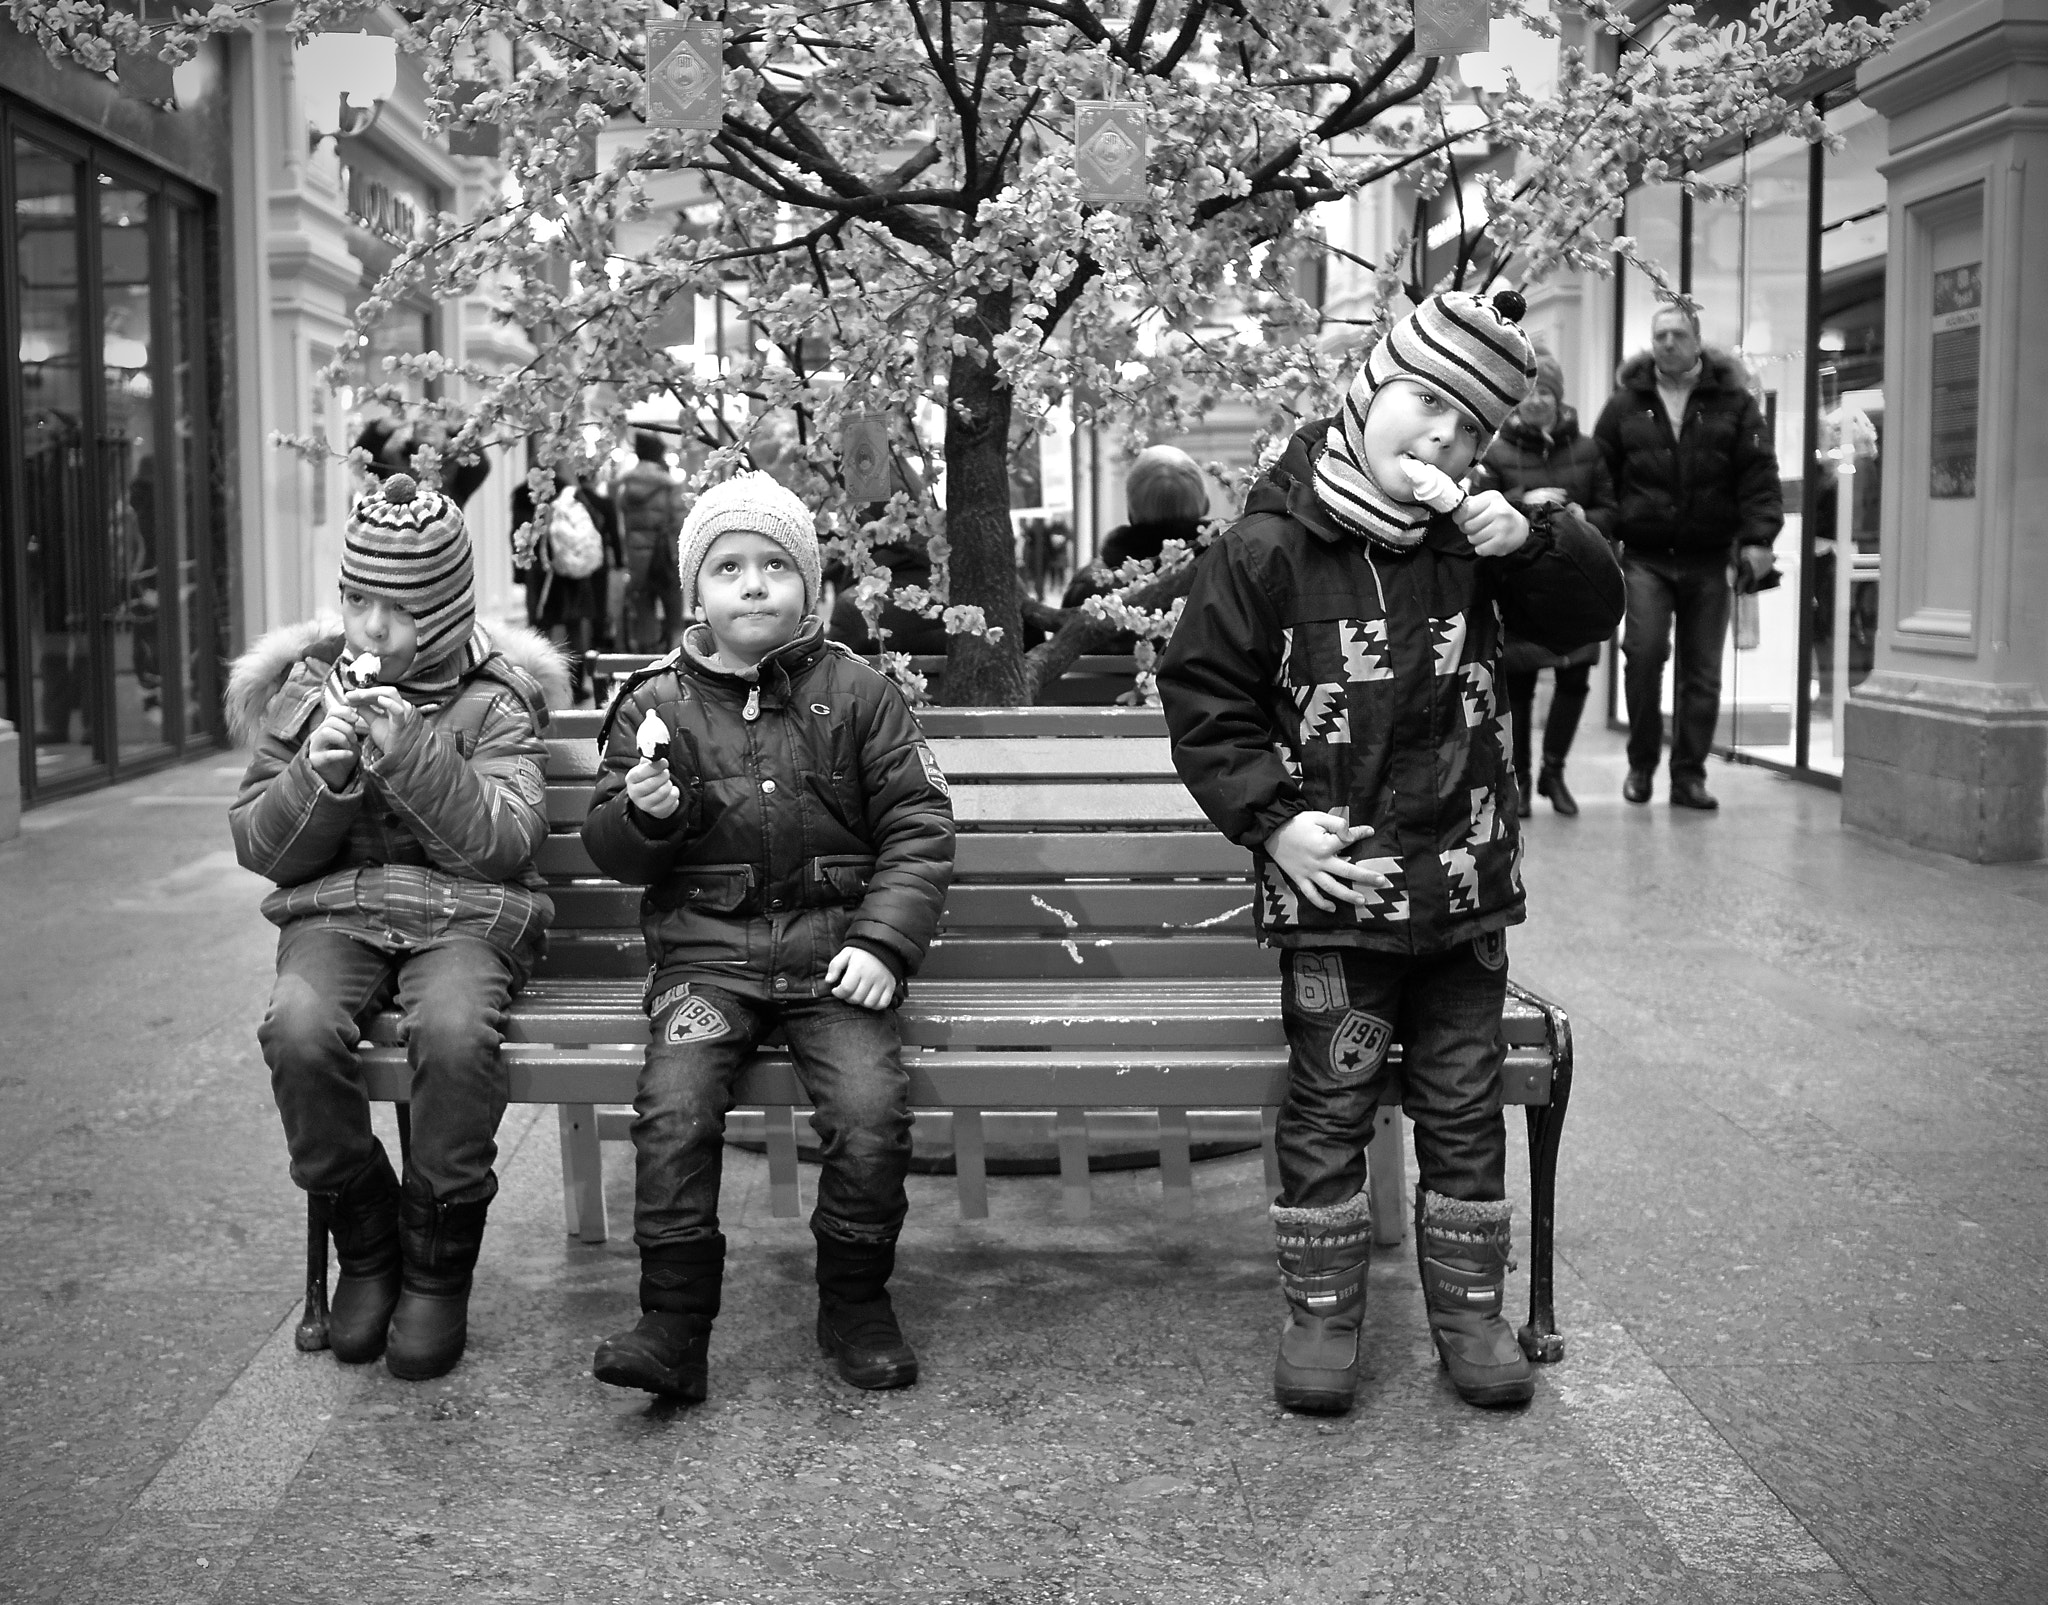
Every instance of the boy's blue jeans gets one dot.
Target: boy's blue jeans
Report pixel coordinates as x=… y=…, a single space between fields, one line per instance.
x=1343 y=1009
x=452 y=993
x=850 y=1061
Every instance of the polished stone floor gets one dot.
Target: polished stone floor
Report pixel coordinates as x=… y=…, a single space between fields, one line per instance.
x=1802 y=1274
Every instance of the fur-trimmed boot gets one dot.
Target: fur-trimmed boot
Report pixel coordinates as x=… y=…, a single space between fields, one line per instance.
x=440 y=1243
x=668 y=1352
x=856 y=1322
x=363 y=1216
x=1323 y=1254
x=1462 y=1247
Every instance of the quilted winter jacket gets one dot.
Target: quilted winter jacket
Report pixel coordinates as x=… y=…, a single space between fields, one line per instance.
x=1521 y=460
x=1312 y=670
x=814 y=815
x=434 y=837
x=1702 y=492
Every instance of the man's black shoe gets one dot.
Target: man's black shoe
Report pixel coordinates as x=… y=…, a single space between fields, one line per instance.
x=1693 y=794
x=1636 y=788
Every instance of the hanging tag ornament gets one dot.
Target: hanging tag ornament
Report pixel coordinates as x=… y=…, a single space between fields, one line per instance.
x=685 y=76
x=864 y=465
x=1452 y=27
x=1111 y=151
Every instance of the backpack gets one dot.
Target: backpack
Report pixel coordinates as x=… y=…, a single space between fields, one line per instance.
x=575 y=549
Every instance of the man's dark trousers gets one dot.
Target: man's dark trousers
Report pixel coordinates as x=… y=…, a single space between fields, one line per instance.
x=1691 y=591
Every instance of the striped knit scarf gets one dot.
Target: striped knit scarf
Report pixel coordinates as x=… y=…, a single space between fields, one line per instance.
x=429 y=687
x=1346 y=487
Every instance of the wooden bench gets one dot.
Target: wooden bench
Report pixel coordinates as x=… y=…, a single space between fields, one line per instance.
x=1095 y=955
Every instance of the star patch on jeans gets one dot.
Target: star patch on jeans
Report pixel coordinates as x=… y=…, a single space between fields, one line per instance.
x=693 y=1021
x=1359 y=1044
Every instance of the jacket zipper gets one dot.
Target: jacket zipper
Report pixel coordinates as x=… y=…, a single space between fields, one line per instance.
x=752 y=710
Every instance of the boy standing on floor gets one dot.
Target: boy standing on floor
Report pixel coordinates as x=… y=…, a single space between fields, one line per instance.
x=396 y=795
x=1330 y=693
x=795 y=836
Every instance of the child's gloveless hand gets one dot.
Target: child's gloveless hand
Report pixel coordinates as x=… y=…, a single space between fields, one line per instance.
x=1491 y=524
x=857 y=976
x=332 y=748
x=651 y=790
x=1310 y=848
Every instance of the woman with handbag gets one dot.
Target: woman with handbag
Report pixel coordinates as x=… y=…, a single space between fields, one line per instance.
x=1540 y=456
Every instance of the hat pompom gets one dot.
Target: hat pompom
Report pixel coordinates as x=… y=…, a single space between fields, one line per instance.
x=400 y=489
x=1510 y=305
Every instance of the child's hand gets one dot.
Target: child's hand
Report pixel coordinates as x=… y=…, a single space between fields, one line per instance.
x=1491 y=524
x=857 y=976
x=391 y=721
x=331 y=748
x=650 y=789
x=1310 y=847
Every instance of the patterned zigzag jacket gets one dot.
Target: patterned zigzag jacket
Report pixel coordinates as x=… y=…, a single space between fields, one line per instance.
x=1311 y=670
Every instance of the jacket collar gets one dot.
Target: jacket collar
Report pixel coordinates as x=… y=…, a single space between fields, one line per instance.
x=1562 y=433
x=772 y=674
x=1718 y=371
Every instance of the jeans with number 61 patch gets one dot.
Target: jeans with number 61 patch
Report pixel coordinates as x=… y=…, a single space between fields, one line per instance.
x=1345 y=1009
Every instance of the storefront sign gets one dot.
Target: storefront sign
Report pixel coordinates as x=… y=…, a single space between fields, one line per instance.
x=1958 y=358
x=379 y=205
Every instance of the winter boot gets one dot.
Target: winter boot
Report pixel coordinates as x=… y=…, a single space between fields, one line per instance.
x=440 y=1244
x=856 y=1323
x=1525 y=804
x=1323 y=1255
x=667 y=1352
x=363 y=1217
x=1462 y=1247
x=1551 y=784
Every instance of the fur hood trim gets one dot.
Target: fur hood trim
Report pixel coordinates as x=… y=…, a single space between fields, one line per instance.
x=1354 y=1211
x=1717 y=368
x=260 y=673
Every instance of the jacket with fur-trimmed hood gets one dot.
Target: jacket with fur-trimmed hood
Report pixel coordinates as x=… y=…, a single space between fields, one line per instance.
x=435 y=838
x=1708 y=488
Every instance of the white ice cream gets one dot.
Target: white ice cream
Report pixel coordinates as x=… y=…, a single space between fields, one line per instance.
x=1432 y=487
x=652 y=737
x=362 y=670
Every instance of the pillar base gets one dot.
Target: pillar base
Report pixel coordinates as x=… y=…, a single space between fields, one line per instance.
x=1955 y=766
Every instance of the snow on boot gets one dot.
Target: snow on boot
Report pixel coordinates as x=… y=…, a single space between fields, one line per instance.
x=1462 y=1247
x=363 y=1217
x=439 y=1242
x=856 y=1322
x=667 y=1353
x=1323 y=1254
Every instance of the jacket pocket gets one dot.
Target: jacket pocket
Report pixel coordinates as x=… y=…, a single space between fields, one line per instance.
x=841 y=878
x=712 y=888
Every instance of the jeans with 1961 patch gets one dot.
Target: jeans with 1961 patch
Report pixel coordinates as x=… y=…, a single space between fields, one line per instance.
x=850 y=1061
x=1344 y=1009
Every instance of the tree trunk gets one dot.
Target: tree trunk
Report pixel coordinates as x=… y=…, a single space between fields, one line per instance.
x=983 y=562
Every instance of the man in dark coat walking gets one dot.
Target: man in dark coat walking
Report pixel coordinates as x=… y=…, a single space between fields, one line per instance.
x=1697 y=481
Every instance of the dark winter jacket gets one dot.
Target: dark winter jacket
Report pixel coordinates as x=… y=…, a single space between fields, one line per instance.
x=1522 y=459
x=813 y=815
x=1311 y=670
x=439 y=835
x=650 y=508
x=1703 y=492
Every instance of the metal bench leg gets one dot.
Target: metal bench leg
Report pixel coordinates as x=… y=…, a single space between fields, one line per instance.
x=1070 y=1127
x=311 y=1335
x=1269 y=1124
x=970 y=1164
x=778 y=1122
x=1387 y=1177
x=1176 y=1170
x=1539 y=1339
x=583 y=1214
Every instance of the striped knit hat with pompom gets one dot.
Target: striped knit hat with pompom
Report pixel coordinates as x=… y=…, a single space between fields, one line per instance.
x=1468 y=348
x=410 y=546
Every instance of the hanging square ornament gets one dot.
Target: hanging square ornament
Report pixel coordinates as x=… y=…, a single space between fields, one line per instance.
x=1111 y=151
x=1452 y=27
x=864 y=464
x=685 y=75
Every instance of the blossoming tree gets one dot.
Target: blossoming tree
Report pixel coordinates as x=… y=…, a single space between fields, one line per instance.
x=889 y=203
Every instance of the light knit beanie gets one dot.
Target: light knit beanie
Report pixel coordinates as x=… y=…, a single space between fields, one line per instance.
x=410 y=546
x=751 y=501
x=1468 y=348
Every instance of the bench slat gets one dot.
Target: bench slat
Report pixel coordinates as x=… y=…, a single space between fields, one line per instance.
x=1089 y=802
x=980 y=758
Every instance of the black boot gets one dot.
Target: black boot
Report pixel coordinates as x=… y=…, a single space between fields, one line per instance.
x=1551 y=784
x=667 y=1353
x=363 y=1217
x=440 y=1243
x=1524 y=806
x=1462 y=1247
x=856 y=1323
x=1323 y=1255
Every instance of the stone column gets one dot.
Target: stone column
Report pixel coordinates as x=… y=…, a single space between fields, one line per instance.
x=1946 y=743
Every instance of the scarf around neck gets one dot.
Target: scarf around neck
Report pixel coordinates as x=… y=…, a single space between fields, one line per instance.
x=1346 y=487
x=426 y=687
